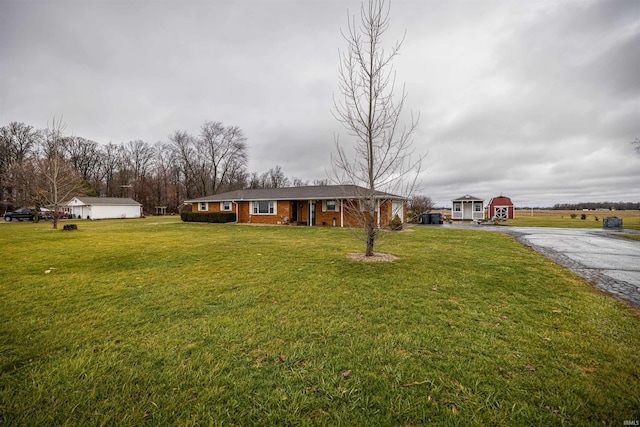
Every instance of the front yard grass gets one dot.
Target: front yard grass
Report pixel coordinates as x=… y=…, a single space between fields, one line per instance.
x=157 y=321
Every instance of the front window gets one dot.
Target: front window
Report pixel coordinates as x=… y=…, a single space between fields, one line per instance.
x=264 y=207
x=478 y=207
x=332 y=206
x=225 y=206
x=456 y=207
x=203 y=206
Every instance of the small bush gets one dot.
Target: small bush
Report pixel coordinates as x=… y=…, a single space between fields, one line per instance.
x=596 y=218
x=583 y=216
x=216 y=217
x=396 y=223
x=573 y=216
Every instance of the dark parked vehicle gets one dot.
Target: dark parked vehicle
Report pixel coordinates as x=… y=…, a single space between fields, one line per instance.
x=20 y=214
x=45 y=214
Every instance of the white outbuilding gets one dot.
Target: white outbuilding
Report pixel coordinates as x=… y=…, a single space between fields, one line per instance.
x=103 y=207
x=467 y=208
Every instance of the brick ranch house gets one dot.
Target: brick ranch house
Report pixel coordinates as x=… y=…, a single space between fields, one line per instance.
x=324 y=205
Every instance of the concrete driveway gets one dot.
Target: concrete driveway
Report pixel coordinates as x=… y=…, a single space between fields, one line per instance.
x=609 y=262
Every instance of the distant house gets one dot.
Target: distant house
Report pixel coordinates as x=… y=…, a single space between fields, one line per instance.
x=103 y=208
x=500 y=208
x=467 y=208
x=329 y=205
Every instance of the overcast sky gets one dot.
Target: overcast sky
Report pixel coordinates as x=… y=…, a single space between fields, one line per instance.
x=535 y=100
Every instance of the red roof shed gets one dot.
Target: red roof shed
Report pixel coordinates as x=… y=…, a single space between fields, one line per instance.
x=500 y=208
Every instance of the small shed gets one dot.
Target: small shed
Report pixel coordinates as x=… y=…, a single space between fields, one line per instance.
x=500 y=208
x=467 y=208
x=104 y=207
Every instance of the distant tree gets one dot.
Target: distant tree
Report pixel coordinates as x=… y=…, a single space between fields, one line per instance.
x=381 y=158
x=139 y=155
x=163 y=185
x=297 y=182
x=109 y=168
x=18 y=143
x=419 y=205
x=84 y=156
x=184 y=154
x=636 y=142
x=213 y=161
x=276 y=178
x=254 y=181
x=225 y=149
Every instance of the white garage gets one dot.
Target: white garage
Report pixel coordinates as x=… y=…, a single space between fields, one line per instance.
x=103 y=208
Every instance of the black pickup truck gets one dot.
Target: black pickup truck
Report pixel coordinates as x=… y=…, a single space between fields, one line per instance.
x=20 y=214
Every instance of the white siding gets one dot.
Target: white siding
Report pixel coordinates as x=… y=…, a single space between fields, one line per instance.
x=105 y=212
x=397 y=208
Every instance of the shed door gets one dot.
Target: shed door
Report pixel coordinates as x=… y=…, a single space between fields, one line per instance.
x=467 y=211
x=500 y=212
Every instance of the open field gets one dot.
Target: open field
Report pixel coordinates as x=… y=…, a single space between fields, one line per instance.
x=562 y=218
x=155 y=321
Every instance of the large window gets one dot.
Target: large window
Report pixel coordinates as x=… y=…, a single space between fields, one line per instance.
x=202 y=206
x=264 y=207
x=331 y=206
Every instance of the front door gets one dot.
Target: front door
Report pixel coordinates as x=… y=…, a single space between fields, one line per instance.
x=294 y=211
x=467 y=211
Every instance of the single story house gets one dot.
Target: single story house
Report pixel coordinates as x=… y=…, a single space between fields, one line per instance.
x=500 y=208
x=103 y=208
x=467 y=208
x=328 y=205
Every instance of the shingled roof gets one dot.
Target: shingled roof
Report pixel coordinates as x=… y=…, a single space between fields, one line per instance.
x=108 y=201
x=315 y=192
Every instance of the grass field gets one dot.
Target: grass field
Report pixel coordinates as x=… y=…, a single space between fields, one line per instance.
x=158 y=322
x=559 y=218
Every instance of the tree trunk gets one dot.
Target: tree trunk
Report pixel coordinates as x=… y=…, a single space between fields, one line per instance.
x=371 y=234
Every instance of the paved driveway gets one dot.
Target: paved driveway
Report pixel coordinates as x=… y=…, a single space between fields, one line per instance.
x=609 y=262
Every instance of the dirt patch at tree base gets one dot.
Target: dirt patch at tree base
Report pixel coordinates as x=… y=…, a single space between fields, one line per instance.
x=377 y=257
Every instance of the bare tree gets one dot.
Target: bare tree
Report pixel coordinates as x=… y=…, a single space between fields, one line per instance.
x=56 y=181
x=18 y=143
x=225 y=151
x=419 y=205
x=636 y=142
x=297 y=182
x=276 y=178
x=109 y=161
x=184 y=154
x=381 y=158
x=139 y=156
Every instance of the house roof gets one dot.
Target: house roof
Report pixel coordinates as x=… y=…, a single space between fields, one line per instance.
x=501 y=199
x=315 y=192
x=108 y=201
x=468 y=198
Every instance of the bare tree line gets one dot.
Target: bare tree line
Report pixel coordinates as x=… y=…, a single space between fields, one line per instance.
x=164 y=173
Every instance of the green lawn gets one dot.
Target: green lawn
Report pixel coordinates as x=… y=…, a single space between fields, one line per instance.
x=155 y=321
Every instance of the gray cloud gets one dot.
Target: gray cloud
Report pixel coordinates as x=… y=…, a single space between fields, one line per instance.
x=535 y=100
